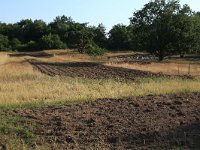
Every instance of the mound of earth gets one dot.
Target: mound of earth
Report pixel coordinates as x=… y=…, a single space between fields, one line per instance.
x=89 y=70
x=145 y=122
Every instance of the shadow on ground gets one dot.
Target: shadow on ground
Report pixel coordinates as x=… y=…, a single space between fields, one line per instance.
x=145 y=122
x=33 y=54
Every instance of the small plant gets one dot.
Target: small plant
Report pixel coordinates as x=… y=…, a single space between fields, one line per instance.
x=94 y=50
x=13 y=126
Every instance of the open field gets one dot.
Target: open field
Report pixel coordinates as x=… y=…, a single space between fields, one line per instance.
x=165 y=68
x=38 y=92
x=23 y=83
x=145 y=122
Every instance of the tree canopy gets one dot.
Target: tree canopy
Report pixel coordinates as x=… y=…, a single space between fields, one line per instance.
x=164 y=28
x=161 y=27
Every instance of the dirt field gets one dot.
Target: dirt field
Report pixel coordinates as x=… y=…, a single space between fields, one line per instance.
x=147 y=122
x=89 y=70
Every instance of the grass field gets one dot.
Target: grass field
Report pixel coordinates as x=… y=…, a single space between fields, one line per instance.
x=22 y=86
x=170 y=68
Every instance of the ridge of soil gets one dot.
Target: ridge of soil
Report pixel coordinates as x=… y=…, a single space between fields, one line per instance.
x=144 y=122
x=90 y=70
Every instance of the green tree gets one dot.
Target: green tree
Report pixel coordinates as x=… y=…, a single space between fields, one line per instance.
x=161 y=26
x=196 y=32
x=37 y=29
x=25 y=34
x=15 y=44
x=4 y=43
x=51 y=41
x=80 y=36
x=120 y=37
x=61 y=26
x=100 y=38
x=183 y=31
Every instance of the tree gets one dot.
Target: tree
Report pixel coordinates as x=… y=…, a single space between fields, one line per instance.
x=100 y=38
x=38 y=29
x=80 y=36
x=25 y=34
x=4 y=43
x=196 y=32
x=61 y=26
x=183 y=31
x=15 y=44
x=119 y=37
x=155 y=26
x=51 y=41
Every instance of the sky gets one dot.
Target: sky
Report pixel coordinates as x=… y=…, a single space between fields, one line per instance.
x=108 y=12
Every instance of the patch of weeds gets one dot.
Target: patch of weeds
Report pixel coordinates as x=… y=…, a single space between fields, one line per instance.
x=35 y=104
x=14 y=131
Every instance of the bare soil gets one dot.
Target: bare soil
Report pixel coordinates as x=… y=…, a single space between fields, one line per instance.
x=89 y=70
x=145 y=122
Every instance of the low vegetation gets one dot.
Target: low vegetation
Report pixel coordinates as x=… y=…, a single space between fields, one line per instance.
x=190 y=69
x=87 y=71
x=21 y=84
x=171 y=29
x=18 y=133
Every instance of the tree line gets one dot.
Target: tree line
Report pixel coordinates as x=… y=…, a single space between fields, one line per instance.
x=161 y=27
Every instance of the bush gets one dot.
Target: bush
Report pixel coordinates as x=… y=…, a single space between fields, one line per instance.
x=30 y=46
x=4 y=43
x=94 y=50
x=15 y=44
x=51 y=41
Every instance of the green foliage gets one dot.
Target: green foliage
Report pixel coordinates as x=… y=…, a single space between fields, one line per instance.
x=100 y=38
x=4 y=43
x=51 y=41
x=81 y=36
x=31 y=45
x=13 y=126
x=120 y=37
x=75 y=35
x=61 y=26
x=15 y=44
x=196 y=32
x=163 y=28
x=94 y=50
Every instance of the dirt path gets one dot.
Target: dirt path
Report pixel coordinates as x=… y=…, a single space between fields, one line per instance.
x=146 y=122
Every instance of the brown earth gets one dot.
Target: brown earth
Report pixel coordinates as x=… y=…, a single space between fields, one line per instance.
x=89 y=70
x=145 y=122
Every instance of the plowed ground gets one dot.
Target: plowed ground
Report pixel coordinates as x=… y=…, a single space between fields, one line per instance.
x=89 y=70
x=146 y=122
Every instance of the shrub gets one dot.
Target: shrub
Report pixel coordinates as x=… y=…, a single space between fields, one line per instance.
x=4 y=43
x=15 y=44
x=30 y=46
x=51 y=41
x=94 y=50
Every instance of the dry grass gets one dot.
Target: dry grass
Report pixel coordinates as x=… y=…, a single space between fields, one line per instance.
x=3 y=58
x=20 y=84
x=166 y=68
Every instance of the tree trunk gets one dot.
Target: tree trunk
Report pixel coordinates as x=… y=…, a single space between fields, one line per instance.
x=182 y=55
x=161 y=55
